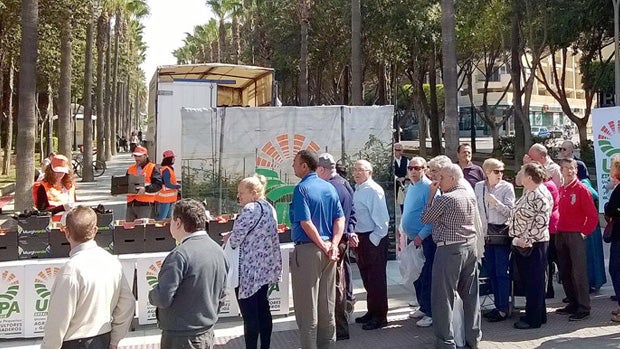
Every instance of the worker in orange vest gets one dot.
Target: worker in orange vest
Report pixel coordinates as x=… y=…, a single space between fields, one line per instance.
x=55 y=193
x=170 y=190
x=141 y=204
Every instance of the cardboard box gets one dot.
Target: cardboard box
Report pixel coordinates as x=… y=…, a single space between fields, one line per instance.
x=8 y=245
x=58 y=245
x=285 y=236
x=105 y=238
x=105 y=219
x=33 y=244
x=214 y=228
x=157 y=238
x=128 y=237
x=33 y=223
x=126 y=184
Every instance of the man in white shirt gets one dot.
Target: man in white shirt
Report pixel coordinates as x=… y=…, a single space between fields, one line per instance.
x=91 y=305
x=371 y=244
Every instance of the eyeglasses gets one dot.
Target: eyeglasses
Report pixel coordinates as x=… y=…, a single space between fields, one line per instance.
x=563 y=149
x=417 y=168
x=360 y=170
x=398 y=150
x=498 y=172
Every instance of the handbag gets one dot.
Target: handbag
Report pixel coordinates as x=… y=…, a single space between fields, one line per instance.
x=608 y=229
x=232 y=257
x=497 y=234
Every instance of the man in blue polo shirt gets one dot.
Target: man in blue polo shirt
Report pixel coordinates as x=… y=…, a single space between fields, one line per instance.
x=317 y=223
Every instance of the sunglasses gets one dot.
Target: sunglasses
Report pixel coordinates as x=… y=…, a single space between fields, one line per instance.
x=498 y=172
x=417 y=168
x=398 y=150
x=563 y=149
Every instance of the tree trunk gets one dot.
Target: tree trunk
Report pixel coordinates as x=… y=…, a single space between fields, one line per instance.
x=221 y=52
x=87 y=169
x=304 y=21
x=2 y=67
x=381 y=82
x=65 y=134
x=356 y=53
x=110 y=137
x=102 y=31
x=49 y=146
x=235 y=39
x=448 y=40
x=26 y=115
x=115 y=94
x=435 y=120
x=6 y=163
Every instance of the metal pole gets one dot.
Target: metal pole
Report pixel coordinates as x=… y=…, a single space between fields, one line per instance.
x=616 y=53
x=472 y=120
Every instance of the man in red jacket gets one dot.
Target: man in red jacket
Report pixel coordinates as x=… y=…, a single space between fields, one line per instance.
x=578 y=218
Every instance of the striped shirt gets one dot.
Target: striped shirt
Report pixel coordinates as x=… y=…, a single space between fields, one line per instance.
x=452 y=215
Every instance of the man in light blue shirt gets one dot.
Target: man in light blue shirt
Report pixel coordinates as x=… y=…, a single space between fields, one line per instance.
x=420 y=233
x=371 y=244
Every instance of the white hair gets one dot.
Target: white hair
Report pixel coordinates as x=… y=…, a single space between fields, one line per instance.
x=453 y=170
x=439 y=162
x=365 y=165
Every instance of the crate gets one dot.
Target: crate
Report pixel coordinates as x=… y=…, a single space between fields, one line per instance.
x=285 y=236
x=215 y=228
x=105 y=219
x=58 y=245
x=105 y=238
x=127 y=184
x=33 y=223
x=128 y=237
x=8 y=245
x=33 y=244
x=157 y=238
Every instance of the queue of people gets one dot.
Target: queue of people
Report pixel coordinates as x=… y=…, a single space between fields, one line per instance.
x=459 y=214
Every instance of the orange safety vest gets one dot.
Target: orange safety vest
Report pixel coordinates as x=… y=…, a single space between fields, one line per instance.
x=147 y=171
x=57 y=196
x=167 y=195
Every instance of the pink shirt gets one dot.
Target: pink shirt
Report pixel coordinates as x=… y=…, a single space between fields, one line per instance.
x=555 y=212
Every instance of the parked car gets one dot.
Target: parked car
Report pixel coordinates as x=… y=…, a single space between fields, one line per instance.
x=556 y=132
x=538 y=131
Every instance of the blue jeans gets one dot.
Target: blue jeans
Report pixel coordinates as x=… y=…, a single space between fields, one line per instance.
x=164 y=210
x=423 y=283
x=614 y=266
x=496 y=262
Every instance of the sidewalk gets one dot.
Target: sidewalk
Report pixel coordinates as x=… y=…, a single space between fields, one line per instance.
x=597 y=331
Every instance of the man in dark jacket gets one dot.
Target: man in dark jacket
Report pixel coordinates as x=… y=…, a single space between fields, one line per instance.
x=192 y=282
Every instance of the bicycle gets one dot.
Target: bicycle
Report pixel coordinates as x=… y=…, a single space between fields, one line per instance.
x=99 y=167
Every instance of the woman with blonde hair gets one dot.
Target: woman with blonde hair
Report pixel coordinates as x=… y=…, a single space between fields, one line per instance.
x=529 y=227
x=255 y=233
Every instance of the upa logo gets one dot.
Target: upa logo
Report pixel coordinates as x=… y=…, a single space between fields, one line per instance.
x=42 y=285
x=151 y=274
x=608 y=142
x=9 y=288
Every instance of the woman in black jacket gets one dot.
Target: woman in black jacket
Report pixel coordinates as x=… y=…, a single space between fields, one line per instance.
x=612 y=210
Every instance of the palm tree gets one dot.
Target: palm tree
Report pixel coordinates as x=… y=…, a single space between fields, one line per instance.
x=27 y=102
x=356 y=53
x=304 y=21
x=102 y=40
x=220 y=8
x=64 y=89
x=448 y=41
x=236 y=11
x=87 y=171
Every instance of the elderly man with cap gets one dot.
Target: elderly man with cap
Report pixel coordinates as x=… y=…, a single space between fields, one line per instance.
x=140 y=204
x=344 y=283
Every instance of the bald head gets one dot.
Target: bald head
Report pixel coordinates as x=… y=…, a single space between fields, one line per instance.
x=538 y=153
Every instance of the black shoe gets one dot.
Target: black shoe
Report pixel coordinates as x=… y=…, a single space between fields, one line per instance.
x=613 y=298
x=374 y=324
x=522 y=325
x=579 y=316
x=490 y=313
x=567 y=310
x=497 y=317
x=550 y=295
x=524 y=319
x=342 y=337
x=363 y=319
x=565 y=300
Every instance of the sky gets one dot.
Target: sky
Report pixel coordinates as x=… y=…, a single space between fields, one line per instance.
x=165 y=29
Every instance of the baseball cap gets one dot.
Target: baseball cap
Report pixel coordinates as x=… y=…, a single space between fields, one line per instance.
x=327 y=161
x=168 y=154
x=60 y=163
x=140 y=151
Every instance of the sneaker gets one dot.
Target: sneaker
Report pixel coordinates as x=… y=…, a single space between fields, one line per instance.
x=579 y=316
x=414 y=303
x=426 y=321
x=615 y=312
x=615 y=318
x=417 y=314
x=497 y=317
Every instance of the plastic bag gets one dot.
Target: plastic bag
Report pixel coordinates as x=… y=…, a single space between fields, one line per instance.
x=232 y=257
x=411 y=263
x=458 y=325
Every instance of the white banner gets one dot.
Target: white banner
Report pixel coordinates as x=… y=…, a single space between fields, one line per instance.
x=606 y=134
x=147 y=269
x=12 y=299
x=39 y=277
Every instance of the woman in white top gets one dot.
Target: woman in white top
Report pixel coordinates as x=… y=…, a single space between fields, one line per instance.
x=496 y=199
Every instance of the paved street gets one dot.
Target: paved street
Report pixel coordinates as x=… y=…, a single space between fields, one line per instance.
x=597 y=331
